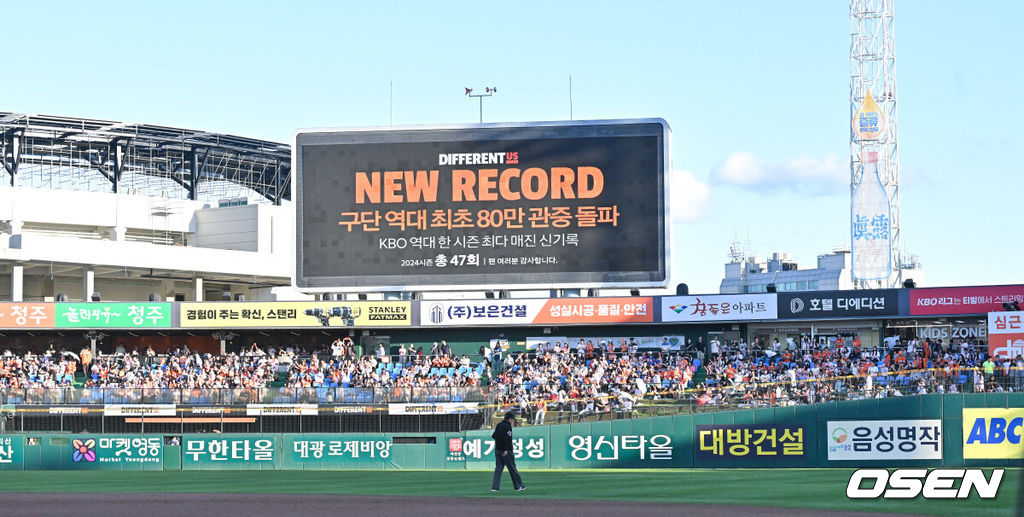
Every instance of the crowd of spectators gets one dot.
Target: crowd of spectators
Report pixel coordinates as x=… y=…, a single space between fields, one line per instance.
x=180 y=369
x=589 y=378
x=804 y=372
x=581 y=378
x=410 y=367
x=47 y=370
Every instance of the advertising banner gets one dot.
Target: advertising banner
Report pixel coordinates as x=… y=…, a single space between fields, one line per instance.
x=870 y=218
x=295 y=314
x=350 y=410
x=719 y=307
x=584 y=447
x=476 y=449
x=101 y=452
x=564 y=203
x=839 y=304
x=336 y=451
x=113 y=315
x=569 y=311
x=26 y=315
x=993 y=433
x=884 y=440
x=434 y=408
x=1006 y=334
x=661 y=343
x=749 y=444
x=280 y=409
x=629 y=448
x=210 y=410
x=529 y=312
x=245 y=452
x=68 y=410
x=12 y=452
x=479 y=312
x=139 y=410
x=963 y=300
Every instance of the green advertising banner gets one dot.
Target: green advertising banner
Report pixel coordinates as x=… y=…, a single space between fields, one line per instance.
x=628 y=451
x=333 y=451
x=12 y=452
x=105 y=452
x=532 y=446
x=113 y=315
x=227 y=452
x=586 y=445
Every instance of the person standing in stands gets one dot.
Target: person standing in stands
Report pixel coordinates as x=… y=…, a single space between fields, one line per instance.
x=504 y=454
x=86 y=357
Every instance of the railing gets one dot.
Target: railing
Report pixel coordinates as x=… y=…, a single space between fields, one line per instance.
x=240 y=396
x=757 y=395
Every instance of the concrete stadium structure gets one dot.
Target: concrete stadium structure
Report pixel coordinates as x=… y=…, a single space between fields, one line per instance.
x=139 y=212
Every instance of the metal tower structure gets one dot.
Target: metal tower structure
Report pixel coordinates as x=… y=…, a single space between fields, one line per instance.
x=872 y=71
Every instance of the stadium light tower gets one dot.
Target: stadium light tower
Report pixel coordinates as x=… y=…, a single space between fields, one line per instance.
x=488 y=91
x=874 y=204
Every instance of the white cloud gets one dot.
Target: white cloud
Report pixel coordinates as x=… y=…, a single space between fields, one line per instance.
x=828 y=175
x=689 y=197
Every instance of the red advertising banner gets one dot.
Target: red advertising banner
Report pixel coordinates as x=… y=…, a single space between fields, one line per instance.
x=963 y=300
x=26 y=315
x=599 y=310
x=1007 y=346
x=1006 y=334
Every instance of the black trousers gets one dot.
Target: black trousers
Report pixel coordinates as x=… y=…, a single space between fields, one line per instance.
x=501 y=462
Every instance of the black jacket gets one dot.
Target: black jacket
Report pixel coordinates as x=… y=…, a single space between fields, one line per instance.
x=503 y=436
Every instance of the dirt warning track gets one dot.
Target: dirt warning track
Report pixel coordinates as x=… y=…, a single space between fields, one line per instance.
x=291 y=505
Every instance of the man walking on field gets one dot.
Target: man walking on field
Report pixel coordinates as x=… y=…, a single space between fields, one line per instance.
x=504 y=455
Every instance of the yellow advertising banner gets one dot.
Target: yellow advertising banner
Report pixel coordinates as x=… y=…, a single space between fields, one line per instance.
x=295 y=314
x=993 y=433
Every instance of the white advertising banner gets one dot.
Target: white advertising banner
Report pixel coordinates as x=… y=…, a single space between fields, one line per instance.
x=479 y=312
x=436 y=408
x=884 y=440
x=139 y=410
x=724 y=307
x=280 y=409
x=870 y=215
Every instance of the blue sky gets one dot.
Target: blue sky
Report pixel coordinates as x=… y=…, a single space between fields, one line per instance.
x=756 y=94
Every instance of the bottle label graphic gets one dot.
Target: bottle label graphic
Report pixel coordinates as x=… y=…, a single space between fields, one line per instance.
x=868 y=121
x=869 y=219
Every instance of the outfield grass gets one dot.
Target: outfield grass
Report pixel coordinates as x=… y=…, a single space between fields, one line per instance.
x=801 y=488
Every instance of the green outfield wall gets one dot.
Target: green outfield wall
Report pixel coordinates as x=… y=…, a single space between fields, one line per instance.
x=930 y=430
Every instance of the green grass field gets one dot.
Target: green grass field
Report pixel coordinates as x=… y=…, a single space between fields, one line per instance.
x=800 y=488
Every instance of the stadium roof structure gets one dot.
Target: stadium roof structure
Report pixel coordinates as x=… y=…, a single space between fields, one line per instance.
x=68 y=153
